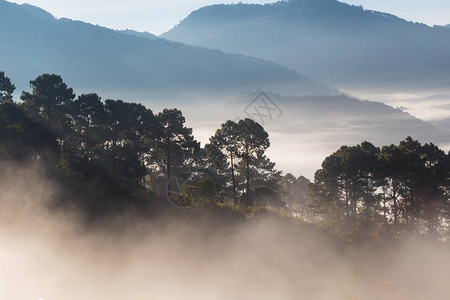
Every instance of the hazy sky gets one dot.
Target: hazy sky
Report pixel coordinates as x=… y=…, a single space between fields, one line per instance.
x=158 y=16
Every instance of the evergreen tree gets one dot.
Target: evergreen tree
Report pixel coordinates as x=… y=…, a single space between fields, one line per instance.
x=6 y=88
x=49 y=102
x=252 y=142
x=223 y=146
x=175 y=146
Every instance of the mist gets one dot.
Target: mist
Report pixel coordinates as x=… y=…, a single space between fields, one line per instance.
x=426 y=103
x=53 y=253
x=239 y=163
x=307 y=128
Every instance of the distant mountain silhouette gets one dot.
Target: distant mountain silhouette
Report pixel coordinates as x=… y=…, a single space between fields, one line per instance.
x=334 y=42
x=33 y=42
x=341 y=117
x=311 y=127
x=135 y=33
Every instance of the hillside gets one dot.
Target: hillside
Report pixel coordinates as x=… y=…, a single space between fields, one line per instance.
x=34 y=42
x=146 y=35
x=303 y=130
x=331 y=41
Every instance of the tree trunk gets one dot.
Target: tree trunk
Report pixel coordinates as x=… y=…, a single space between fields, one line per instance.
x=248 y=181
x=347 y=206
x=413 y=204
x=353 y=205
x=367 y=212
x=168 y=164
x=406 y=210
x=367 y=200
x=394 y=196
x=233 y=179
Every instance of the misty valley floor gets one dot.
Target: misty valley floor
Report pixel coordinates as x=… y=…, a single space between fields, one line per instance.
x=52 y=254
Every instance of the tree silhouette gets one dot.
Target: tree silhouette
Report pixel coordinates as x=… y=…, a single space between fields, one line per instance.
x=403 y=185
x=175 y=145
x=112 y=147
x=252 y=142
x=49 y=101
x=224 y=144
x=6 y=88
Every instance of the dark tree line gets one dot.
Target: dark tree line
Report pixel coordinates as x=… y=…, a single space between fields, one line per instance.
x=398 y=188
x=114 y=154
x=127 y=151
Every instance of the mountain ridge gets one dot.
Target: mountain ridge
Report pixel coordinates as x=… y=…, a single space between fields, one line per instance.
x=331 y=41
x=90 y=56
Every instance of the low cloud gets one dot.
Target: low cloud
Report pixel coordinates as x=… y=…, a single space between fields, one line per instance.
x=51 y=254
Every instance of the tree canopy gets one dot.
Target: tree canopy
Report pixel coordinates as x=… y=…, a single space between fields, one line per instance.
x=114 y=155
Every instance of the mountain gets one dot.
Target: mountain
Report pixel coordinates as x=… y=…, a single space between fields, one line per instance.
x=145 y=34
x=334 y=42
x=91 y=57
x=138 y=66
x=442 y=26
x=304 y=130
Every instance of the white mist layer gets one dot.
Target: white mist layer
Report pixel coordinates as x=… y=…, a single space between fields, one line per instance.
x=51 y=256
x=426 y=104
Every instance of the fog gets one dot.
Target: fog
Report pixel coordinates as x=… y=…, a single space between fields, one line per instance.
x=49 y=253
x=304 y=130
x=428 y=104
x=51 y=250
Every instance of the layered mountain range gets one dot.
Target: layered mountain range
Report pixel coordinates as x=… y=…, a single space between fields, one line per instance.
x=334 y=42
x=33 y=42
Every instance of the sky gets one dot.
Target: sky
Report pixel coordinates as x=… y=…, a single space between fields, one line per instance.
x=158 y=16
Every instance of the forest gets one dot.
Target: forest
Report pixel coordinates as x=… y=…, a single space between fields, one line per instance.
x=110 y=156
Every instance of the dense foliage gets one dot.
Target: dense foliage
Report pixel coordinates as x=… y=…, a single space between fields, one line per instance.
x=127 y=154
x=398 y=188
x=111 y=155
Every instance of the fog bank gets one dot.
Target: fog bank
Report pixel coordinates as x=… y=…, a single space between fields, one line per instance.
x=51 y=254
